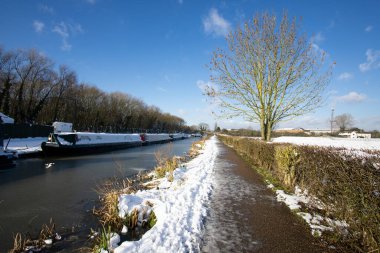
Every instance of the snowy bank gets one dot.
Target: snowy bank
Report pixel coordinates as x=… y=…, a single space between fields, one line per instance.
x=178 y=205
x=357 y=144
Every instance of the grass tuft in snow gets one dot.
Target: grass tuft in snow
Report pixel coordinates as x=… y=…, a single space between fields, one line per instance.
x=109 y=192
x=46 y=236
x=102 y=241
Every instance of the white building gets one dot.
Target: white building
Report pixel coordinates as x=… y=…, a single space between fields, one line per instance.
x=355 y=135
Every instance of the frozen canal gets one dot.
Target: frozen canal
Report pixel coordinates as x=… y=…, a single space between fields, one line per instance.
x=38 y=189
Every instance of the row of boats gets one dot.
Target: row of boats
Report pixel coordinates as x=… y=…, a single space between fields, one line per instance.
x=71 y=143
x=65 y=141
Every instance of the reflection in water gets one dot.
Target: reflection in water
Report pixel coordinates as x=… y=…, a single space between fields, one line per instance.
x=33 y=192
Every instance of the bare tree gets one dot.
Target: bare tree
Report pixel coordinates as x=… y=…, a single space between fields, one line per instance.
x=270 y=73
x=7 y=79
x=344 y=121
x=34 y=84
x=203 y=127
x=32 y=91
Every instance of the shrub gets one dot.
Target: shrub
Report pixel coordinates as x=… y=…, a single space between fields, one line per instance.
x=348 y=184
x=287 y=159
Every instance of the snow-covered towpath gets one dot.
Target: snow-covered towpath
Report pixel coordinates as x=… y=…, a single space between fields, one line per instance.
x=244 y=215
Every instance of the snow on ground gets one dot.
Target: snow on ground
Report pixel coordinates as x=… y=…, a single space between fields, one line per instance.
x=316 y=222
x=372 y=144
x=25 y=145
x=179 y=207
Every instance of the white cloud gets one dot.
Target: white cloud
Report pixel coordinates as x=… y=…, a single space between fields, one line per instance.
x=204 y=86
x=91 y=1
x=352 y=97
x=65 y=31
x=368 y=28
x=318 y=50
x=159 y=88
x=345 y=76
x=38 y=26
x=180 y=1
x=373 y=61
x=216 y=24
x=46 y=9
x=318 y=38
x=182 y=112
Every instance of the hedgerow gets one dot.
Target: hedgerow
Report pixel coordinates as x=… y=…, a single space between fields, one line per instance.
x=347 y=183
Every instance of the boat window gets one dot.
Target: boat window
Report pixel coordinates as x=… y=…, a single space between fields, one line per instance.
x=72 y=138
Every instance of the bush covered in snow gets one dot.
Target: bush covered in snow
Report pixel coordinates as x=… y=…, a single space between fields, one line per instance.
x=346 y=181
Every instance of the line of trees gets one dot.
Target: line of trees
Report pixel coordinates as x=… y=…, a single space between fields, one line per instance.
x=32 y=90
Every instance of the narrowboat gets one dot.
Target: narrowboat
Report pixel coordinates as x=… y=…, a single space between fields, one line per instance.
x=66 y=142
x=73 y=143
x=148 y=138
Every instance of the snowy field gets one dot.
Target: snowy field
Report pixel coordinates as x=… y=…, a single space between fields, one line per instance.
x=25 y=145
x=357 y=144
x=179 y=207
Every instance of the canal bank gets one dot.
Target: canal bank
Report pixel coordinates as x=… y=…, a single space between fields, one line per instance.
x=38 y=189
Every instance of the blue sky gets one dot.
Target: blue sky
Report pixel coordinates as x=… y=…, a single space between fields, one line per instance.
x=158 y=50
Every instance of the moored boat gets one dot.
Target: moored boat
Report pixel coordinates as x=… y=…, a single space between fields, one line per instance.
x=66 y=142
x=148 y=138
x=177 y=136
x=72 y=143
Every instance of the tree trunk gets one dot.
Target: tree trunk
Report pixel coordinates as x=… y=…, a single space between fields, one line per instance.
x=268 y=131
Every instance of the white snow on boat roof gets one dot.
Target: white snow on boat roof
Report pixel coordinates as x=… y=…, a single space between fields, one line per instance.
x=6 y=119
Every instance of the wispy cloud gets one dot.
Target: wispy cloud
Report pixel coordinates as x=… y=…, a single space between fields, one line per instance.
x=315 y=40
x=180 y=1
x=368 y=28
x=373 y=61
x=182 y=112
x=46 y=9
x=159 y=88
x=352 y=97
x=345 y=76
x=204 y=86
x=38 y=26
x=91 y=1
x=318 y=49
x=331 y=24
x=65 y=30
x=318 y=38
x=215 y=24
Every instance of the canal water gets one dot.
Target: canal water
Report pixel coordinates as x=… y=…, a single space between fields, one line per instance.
x=63 y=188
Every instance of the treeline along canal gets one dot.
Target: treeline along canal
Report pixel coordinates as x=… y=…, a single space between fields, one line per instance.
x=63 y=188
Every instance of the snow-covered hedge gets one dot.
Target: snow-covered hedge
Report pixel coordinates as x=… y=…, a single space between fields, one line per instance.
x=346 y=181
